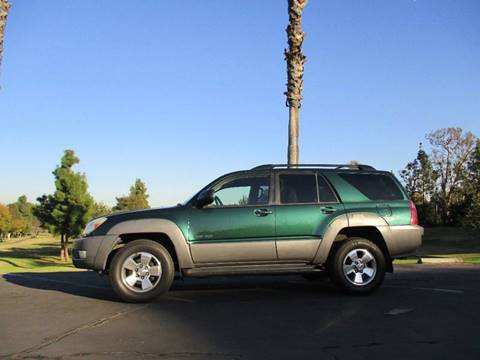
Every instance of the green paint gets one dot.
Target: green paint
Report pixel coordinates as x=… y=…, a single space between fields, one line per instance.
x=230 y=223
x=213 y=224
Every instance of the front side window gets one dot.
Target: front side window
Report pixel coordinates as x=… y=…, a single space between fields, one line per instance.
x=243 y=192
x=298 y=188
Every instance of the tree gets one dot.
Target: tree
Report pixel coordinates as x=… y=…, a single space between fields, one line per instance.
x=67 y=211
x=5 y=220
x=472 y=216
x=23 y=220
x=295 y=62
x=43 y=211
x=135 y=200
x=4 y=7
x=420 y=179
x=17 y=223
x=451 y=150
x=473 y=174
x=428 y=176
x=410 y=177
x=100 y=209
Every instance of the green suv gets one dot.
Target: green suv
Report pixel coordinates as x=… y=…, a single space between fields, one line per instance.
x=349 y=221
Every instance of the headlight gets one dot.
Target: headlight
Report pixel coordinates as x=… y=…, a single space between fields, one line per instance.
x=92 y=225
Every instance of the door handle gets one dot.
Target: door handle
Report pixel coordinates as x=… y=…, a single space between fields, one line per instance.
x=327 y=209
x=262 y=212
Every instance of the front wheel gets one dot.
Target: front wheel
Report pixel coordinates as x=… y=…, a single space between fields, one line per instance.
x=357 y=266
x=141 y=271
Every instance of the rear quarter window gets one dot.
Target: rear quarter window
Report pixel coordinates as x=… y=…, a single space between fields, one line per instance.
x=374 y=186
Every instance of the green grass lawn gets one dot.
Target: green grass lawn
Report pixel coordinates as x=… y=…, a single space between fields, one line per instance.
x=40 y=254
x=469 y=258
x=447 y=242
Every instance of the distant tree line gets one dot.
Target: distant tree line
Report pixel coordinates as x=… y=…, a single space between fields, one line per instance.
x=65 y=212
x=17 y=219
x=444 y=182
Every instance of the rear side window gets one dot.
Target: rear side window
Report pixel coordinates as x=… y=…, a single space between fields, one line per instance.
x=374 y=186
x=325 y=193
x=298 y=188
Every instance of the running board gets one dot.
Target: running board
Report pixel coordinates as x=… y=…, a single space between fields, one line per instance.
x=265 y=269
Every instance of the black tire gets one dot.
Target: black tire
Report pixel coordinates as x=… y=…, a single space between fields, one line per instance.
x=356 y=247
x=160 y=284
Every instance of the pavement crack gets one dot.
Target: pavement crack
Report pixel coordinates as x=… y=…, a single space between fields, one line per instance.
x=371 y=344
x=90 y=325
x=427 y=342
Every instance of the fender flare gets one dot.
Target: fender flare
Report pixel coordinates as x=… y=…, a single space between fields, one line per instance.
x=349 y=221
x=163 y=226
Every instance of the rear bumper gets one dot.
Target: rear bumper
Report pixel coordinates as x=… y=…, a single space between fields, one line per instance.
x=92 y=252
x=404 y=240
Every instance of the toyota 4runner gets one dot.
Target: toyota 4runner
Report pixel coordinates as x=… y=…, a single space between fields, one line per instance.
x=349 y=221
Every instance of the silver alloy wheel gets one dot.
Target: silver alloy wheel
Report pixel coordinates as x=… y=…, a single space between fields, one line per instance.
x=141 y=272
x=359 y=267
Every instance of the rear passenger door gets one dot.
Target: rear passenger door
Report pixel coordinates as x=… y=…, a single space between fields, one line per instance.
x=305 y=204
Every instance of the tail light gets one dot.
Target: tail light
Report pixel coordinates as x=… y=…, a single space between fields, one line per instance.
x=413 y=213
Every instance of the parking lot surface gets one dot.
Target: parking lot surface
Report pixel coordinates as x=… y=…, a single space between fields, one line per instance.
x=421 y=312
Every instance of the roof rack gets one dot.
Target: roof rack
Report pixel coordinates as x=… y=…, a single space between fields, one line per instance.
x=328 y=166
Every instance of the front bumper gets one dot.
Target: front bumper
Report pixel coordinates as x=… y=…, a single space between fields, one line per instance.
x=92 y=252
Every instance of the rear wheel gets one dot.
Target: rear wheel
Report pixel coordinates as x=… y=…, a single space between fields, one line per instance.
x=357 y=266
x=141 y=271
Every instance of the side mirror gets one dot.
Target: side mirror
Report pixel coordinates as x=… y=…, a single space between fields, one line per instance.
x=204 y=198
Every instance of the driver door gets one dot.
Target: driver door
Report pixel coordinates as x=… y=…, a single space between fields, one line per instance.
x=239 y=226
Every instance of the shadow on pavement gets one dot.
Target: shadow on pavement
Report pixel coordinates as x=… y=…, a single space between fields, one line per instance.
x=91 y=285
x=80 y=283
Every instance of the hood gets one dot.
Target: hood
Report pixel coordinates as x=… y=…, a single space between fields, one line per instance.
x=169 y=213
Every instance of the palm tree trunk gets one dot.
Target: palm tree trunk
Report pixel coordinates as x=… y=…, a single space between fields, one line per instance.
x=4 y=7
x=295 y=61
x=293 y=128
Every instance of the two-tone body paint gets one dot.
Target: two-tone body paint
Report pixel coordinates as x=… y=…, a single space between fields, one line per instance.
x=236 y=234
x=296 y=232
x=218 y=234
x=394 y=212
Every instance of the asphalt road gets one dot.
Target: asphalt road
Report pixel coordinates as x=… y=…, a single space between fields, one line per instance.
x=421 y=312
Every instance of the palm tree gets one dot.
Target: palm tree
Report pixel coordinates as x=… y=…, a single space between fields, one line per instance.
x=4 y=6
x=295 y=60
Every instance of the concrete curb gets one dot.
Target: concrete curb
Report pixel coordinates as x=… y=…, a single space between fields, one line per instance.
x=440 y=260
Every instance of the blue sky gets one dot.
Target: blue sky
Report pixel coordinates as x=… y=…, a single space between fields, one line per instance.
x=180 y=92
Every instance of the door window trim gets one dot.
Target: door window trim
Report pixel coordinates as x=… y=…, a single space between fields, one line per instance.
x=277 y=201
x=332 y=190
x=228 y=179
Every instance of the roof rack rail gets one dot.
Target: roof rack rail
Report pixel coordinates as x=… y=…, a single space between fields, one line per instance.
x=334 y=166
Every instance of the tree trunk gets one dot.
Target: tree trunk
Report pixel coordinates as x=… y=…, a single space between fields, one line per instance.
x=4 y=7
x=64 y=248
x=295 y=62
x=293 y=135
